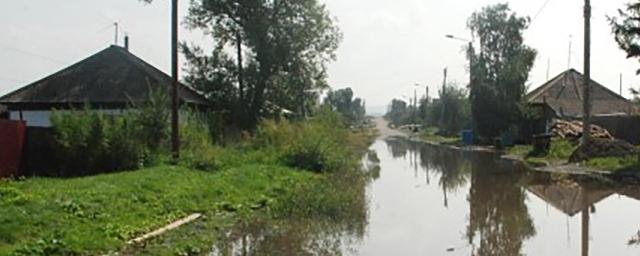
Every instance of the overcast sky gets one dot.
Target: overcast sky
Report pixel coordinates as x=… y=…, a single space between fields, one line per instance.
x=389 y=45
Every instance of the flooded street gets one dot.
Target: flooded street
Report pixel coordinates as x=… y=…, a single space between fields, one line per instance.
x=434 y=201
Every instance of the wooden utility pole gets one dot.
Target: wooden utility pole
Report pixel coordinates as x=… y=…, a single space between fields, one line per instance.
x=115 y=40
x=240 y=76
x=444 y=92
x=586 y=116
x=175 y=135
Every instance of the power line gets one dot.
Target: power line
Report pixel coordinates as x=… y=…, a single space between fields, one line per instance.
x=540 y=10
x=32 y=54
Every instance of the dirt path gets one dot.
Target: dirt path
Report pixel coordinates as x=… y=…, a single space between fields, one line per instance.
x=385 y=131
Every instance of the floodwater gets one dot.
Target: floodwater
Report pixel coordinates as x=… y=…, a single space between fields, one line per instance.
x=433 y=201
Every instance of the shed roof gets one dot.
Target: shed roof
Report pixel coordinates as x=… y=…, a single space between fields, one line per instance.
x=564 y=94
x=111 y=77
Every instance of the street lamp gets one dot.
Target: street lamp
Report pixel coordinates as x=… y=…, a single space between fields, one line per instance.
x=470 y=52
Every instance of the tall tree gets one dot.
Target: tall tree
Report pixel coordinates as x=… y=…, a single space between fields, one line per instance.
x=626 y=29
x=500 y=69
x=287 y=44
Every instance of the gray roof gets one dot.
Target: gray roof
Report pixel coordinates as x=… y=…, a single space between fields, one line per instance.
x=111 y=77
x=564 y=94
x=570 y=199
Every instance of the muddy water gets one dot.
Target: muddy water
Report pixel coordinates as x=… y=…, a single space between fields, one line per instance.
x=434 y=201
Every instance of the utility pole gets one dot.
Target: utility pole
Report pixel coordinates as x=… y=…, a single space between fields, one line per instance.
x=415 y=106
x=240 y=75
x=621 y=84
x=115 y=40
x=471 y=53
x=175 y=135
x=586 y=122
x=444 y=92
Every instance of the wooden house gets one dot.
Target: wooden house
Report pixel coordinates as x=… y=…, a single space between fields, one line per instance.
x=110 y=80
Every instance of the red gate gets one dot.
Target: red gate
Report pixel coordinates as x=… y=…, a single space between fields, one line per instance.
x=11 y=144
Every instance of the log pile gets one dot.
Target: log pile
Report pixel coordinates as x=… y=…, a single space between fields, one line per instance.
x=572 y=130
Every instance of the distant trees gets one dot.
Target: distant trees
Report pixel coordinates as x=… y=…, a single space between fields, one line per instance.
x=398 y=113
x=280 y=51
x=499 y=70
x=343 y=101
x=456 y=116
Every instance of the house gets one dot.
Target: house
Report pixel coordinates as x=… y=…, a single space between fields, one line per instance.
x=561 y=97
x=110 y=80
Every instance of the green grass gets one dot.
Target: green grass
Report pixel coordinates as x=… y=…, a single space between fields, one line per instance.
x=559 y=153
x=561 y=150
x=100 y=213
x=615 y=164
x=430 y=134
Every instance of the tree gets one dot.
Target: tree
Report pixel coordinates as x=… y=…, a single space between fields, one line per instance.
x=287 y=46
x=500 y=69
x=626 y=29
x=398 y=112
x=344 y=103
x=458 y=113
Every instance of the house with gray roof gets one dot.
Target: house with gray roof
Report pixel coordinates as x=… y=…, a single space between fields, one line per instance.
x=563 y=97
x=110 y=80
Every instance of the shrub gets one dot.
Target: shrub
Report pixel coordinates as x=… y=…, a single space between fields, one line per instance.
x=196 y=141
x=89 y=142
x=319 y=145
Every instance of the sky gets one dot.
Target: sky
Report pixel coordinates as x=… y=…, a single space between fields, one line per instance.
x=388 y=47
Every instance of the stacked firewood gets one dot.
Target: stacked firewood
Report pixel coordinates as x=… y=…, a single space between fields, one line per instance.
x=572 y=130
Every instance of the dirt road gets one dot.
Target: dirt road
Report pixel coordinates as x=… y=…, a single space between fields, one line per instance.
x=385 y=131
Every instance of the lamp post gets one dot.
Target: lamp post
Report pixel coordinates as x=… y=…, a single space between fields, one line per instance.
x=470 y=52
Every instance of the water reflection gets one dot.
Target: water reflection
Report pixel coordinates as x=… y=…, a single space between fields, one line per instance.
x=499 y=222
x=291 y=237
x=435 y=201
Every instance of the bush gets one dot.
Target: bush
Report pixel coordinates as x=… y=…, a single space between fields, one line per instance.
x=317 y=145
x=89 y=142
x=196 y=141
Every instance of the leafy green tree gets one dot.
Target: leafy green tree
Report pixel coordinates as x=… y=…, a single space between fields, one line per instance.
x=287 y=45
x=499 y=70
x=343 y=102
x=626 y=29
x=458 y=112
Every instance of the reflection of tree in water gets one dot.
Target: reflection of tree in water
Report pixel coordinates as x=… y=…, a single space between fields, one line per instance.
x=498 y=213
x=330 y=233
x=451 y=166
x=291 y=238
x=398 y=147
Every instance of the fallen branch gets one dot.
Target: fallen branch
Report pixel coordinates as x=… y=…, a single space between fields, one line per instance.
x=166 y=228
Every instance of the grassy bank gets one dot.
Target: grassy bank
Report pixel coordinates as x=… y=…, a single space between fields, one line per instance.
x=288 y=170
x=561 y=150
x=431 y=134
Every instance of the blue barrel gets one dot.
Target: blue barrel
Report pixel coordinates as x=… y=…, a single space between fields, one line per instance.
x=467 y=137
